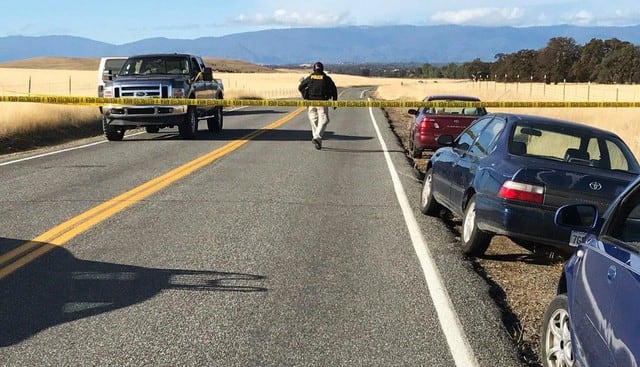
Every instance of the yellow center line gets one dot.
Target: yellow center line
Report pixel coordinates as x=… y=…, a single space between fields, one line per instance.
x=62 y=233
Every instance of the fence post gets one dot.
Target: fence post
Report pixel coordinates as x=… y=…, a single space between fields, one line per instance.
x=29 y=91
x=69 y=84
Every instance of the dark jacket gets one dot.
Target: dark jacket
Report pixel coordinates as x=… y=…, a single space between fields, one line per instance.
x=318 y=86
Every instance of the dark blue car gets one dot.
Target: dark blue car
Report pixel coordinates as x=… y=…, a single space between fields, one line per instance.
x=507 y=174
x=593 y=320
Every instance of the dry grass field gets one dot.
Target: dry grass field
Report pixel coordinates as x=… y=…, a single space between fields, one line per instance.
x=523 y=280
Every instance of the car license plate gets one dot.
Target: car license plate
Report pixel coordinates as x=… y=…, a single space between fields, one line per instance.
x=577 y=238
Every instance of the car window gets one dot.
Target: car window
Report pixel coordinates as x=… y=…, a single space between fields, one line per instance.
x=625 y=221
x=486 y=141
x=579 y=147
x=469 y=135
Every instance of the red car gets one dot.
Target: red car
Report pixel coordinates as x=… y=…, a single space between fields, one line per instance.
x=431 y=122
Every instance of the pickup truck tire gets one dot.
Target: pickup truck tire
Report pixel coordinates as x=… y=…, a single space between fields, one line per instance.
x=215 y=123
x=189 y=126
x=152 y=129
x=112 y=133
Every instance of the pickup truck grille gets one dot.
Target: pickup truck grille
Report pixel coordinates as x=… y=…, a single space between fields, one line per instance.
x=142 y=91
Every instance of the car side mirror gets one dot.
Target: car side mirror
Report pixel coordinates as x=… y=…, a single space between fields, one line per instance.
x=577 y=217
x=107 y=75
x=208 y=74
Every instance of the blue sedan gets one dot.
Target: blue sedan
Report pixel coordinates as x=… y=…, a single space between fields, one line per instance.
x=593 y=319
x=507 y=174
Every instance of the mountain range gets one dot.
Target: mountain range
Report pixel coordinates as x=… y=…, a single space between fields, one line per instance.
x=354 y=44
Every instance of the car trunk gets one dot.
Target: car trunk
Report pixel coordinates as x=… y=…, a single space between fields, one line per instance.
x=452 y=124
x=576 y=184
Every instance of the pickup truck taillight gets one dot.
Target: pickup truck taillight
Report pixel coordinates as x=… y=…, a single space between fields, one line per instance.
x=427 y=124
x=520 y=191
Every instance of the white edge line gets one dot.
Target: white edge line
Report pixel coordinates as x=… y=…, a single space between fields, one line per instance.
x=449 y=322
x=73 y=148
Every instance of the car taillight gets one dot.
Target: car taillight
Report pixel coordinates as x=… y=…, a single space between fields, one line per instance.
x=427 y=124
x=512 y=190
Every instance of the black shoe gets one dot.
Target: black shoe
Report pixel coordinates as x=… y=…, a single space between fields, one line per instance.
x=317 y=143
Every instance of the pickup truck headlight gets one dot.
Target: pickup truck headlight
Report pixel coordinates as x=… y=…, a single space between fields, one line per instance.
x=178 y=93
x=107 y=92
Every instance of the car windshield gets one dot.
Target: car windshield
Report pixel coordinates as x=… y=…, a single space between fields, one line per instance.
x=576 y=146
x=156 y=65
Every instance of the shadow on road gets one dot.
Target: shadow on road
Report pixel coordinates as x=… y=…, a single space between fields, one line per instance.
x=239 y=134
x=57 y=288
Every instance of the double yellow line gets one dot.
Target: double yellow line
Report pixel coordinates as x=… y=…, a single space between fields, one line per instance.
x=62 y=233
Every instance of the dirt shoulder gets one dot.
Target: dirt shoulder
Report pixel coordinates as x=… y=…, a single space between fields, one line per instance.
x=523 y=281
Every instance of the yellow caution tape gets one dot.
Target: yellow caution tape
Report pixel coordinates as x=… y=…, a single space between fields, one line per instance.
x=99 y=101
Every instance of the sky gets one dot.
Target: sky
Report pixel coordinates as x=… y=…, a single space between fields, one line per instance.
x=119 y=22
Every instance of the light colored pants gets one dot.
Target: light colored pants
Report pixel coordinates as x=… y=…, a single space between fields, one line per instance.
x=319 y=118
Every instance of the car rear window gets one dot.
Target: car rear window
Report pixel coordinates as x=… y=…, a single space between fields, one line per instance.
x=466 y=111
x=580 y=147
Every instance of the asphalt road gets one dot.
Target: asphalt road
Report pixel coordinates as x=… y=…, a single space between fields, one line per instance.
x=248 y=248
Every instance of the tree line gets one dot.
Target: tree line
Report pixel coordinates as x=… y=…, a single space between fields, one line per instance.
x=609 y=61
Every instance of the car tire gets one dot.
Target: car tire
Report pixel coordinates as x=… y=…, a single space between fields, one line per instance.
x=555 y=334
x=428 y=204
x=189 y=126
x=474 y=241
x=215 y=123
x=112 y=133
x=152 y=129
x=415 y=151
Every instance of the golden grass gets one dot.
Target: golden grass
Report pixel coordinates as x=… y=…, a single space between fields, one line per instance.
x=283 y=84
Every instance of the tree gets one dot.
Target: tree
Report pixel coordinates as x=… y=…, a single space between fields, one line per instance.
x=621 y=65
x=558 y=57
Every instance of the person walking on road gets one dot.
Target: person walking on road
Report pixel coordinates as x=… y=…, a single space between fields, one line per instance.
x=318 y=87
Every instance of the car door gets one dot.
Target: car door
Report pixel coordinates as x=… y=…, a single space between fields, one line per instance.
x=465 y=162
x=605 y=297
x=622 y=262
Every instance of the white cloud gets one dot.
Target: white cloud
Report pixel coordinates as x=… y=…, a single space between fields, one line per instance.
x=582 y=17
x=285 y=18
x=479 y=16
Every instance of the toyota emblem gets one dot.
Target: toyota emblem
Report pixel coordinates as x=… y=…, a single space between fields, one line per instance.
x=595 y=186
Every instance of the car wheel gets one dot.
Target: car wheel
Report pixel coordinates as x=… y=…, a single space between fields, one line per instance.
x=474 y=241
x=555 y=335
x=428 y=205
x=189 y=126
x=152 y=129
x=112 y=133
x=416 y=152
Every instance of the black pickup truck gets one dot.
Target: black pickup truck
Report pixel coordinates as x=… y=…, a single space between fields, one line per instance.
x=162 y=76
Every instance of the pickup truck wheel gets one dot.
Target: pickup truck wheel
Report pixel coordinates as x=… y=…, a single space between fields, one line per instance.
x=189 y=127
x=215 y=123
x=152 y=129
x=112 y=133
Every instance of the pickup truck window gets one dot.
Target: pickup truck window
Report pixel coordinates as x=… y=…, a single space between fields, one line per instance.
x=157 y=65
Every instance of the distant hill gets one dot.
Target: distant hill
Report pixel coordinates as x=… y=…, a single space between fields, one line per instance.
x=361 y=44
x=88 y=63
